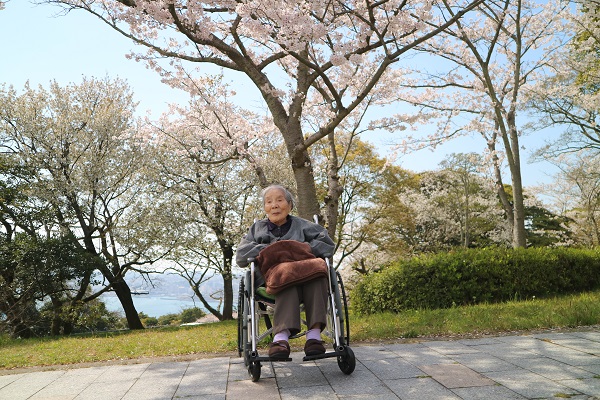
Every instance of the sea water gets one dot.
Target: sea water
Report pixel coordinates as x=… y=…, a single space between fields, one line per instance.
x=153 y=306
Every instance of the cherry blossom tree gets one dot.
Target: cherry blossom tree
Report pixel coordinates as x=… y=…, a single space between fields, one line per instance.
x=207 y=208
x=205 y=173
x=81 y=144
x=438 y=208
x=324 y=57
x=478 y=80
x=575 y=194
x=462 y=169
x=570 y=97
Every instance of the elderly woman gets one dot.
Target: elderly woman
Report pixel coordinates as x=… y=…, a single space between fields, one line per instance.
x=278 y=226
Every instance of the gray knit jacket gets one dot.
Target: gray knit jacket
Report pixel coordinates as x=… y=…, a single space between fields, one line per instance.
x=259 y=237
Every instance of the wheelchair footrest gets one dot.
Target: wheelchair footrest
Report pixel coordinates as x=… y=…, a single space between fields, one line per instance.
x=325 y=355
x=272 y=359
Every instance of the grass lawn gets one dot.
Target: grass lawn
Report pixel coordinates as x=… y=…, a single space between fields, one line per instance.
x=220 y=338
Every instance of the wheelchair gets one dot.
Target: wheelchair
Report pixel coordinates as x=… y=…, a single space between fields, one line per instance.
x=254 y=305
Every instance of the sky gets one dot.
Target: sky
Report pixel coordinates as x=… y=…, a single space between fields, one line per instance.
x=39 y=45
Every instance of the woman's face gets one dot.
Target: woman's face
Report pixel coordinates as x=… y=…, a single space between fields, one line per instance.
x=276 y=206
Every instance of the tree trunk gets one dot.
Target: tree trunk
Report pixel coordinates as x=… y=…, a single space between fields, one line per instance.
x=290 y=126
x=227 y=297
x=206 y=304
x=227 y=283
x=502 y=195
x=467 y=219
x=68 y=327
x=595 y=236
x=123 y=292
x=308 y=204
x=334 y=189
x=21 y=330
x=514 y=162
x=519 y=232
x=115 y=278
x=56 y=320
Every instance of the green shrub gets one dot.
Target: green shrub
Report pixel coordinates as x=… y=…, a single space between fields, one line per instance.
x=191 y=315
x=150 y=321
x=472 y=276
x=168 y=319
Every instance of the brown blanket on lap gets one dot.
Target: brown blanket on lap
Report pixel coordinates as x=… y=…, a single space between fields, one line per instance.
x=287 y=263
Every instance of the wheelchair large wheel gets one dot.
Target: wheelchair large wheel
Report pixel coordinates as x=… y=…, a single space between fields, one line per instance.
x=243 y=318
x=244 y=347
x=240 y=319
x=343 y=308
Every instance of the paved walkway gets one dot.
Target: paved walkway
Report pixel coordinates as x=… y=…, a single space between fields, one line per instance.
x=537 y=366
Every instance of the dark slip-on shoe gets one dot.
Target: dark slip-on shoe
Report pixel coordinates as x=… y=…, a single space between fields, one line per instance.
x=279 y=349
x=314 y=347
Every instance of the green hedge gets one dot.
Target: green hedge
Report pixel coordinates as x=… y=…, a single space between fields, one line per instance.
x=471 y=276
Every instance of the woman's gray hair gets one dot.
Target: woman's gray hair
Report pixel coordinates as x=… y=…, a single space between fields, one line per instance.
x=286 y=193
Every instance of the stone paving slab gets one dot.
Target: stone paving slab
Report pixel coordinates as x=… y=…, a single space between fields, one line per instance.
x=481 y=362
x=420 y=354
x=264 y=389
x=455 y=376
x=588 y=386
x=531 y=385
x=420 y=389
x=487 y=393
x=539 y=366
x=105 y=390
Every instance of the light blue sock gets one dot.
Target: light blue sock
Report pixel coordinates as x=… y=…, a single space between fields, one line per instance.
x=283 y=335
x=314 y=333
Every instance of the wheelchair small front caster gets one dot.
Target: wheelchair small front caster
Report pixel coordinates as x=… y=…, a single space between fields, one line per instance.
x=254 y=370
x=347 y=362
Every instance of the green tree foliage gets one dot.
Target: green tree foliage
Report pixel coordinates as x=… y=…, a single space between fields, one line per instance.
x=149 y=321
x=544 y=228
x=390 y=225
x=33 y=269
x=186 y=316
x=91 y=316
x=37 y=267
x=366 y=201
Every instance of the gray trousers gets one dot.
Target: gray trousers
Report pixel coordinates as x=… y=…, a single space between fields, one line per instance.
x=313 y=294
